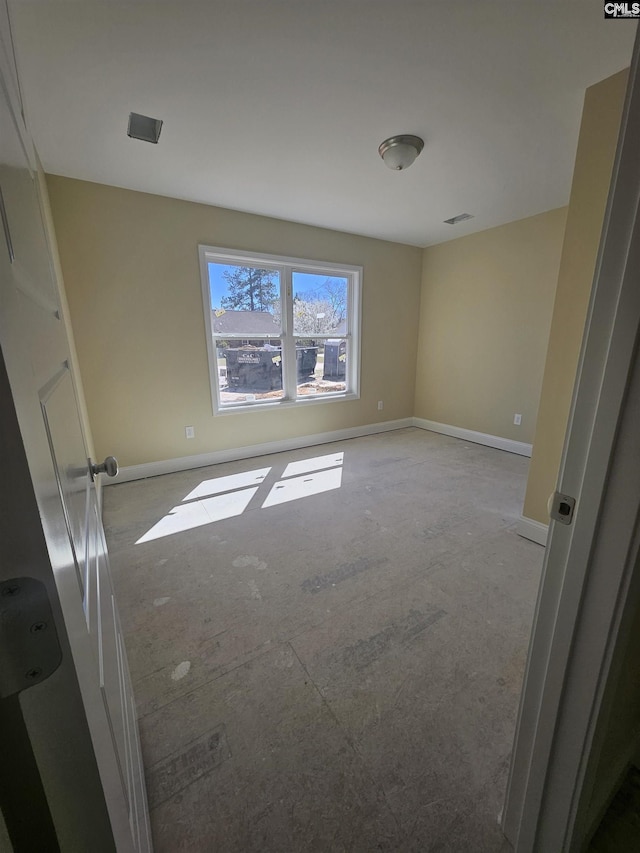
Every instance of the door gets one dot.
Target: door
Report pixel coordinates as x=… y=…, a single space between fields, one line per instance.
x=591 y=574
x=85 y=623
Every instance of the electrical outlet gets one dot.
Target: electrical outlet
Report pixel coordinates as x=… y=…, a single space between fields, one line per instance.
x=380 y=405
x=190 y=432
x=517 y=419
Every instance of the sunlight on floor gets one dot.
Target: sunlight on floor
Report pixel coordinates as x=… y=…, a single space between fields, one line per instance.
x=233 y=495
x=198 y=513
x=226 y=484
x=303 y=487
x=314 y=464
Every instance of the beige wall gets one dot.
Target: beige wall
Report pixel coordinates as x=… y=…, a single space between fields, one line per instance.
x=64 y=307
x=130 y=262
x=591 y=178
x=486 y=307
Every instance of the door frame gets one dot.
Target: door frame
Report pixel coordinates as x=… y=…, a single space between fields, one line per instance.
x=591 y=571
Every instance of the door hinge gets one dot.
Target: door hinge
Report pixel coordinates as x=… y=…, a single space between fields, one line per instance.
x=29 y=648
x=562 y=508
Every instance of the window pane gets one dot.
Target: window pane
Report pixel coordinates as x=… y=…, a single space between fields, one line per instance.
x=321 y=366
x=249 y=374
x=319 y=304
x=245 y=301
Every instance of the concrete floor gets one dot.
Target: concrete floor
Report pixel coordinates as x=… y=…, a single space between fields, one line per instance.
x=337 y=672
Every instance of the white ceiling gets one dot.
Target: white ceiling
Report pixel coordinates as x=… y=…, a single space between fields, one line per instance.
x=278 y=106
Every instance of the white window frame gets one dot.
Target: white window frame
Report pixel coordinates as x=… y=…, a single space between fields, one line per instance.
x=286 y=266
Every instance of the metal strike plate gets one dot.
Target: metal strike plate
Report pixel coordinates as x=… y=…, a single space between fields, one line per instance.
x=29 y=647
x=562 y=508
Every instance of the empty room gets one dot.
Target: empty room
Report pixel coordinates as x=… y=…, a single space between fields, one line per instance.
x=296 y=303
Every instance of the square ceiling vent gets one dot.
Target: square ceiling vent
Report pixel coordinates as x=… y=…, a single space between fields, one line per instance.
x=461 y=217
x=144 y=127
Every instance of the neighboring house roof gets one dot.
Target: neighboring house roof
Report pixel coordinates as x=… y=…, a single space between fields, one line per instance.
x=251 y=324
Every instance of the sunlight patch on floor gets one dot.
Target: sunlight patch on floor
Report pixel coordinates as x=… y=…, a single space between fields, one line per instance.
x=199 y=513
x=225 y=497
x=303 y=487
x=227 y=484
x=316 y=463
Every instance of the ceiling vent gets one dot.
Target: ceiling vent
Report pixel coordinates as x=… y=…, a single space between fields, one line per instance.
x=459 y=218
x=145 y=128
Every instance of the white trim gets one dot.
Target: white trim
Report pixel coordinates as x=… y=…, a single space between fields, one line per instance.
x=508 y=444
x=531 y=529
x=185 y=463
x=235 y=256
x=212 y=361
x=285 y=403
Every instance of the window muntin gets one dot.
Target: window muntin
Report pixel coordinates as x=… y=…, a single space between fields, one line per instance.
x=280 y=331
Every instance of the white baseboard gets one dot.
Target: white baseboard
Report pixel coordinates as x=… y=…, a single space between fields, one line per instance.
x=185 y=463
x=534 y=530
x=519 y=447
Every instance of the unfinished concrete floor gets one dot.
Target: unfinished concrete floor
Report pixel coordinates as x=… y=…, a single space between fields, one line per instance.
x=336 y=671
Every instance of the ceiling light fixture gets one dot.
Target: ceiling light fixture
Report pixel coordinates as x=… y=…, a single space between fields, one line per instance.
x=399 y=152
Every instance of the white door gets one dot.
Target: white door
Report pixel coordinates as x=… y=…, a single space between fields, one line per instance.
x=591 y=574
x=41 y=384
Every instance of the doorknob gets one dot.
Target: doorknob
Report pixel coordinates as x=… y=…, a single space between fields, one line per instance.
x=108 y=467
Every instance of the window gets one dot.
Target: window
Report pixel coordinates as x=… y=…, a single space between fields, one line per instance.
x=280 y=331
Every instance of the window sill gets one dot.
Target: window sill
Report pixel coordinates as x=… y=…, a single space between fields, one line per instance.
x=311 y=400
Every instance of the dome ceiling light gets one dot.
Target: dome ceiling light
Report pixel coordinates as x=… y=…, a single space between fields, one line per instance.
x=399 y=152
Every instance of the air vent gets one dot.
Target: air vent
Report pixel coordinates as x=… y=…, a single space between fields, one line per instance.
x=145 y=128
x=459 y=218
